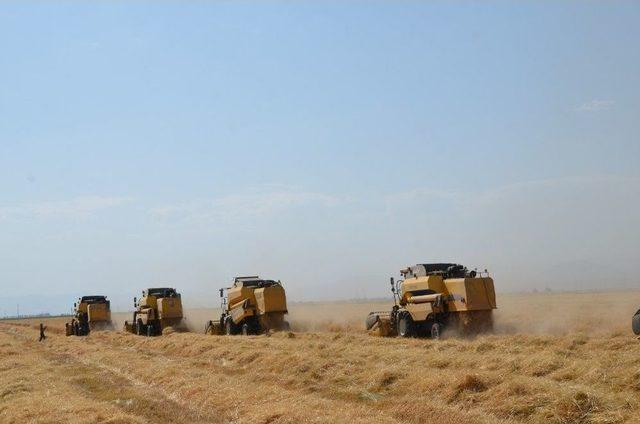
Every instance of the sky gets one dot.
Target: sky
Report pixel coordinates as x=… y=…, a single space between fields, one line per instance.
x=327 y=144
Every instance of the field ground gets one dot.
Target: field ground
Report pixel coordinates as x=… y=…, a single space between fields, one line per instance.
x=563 y=358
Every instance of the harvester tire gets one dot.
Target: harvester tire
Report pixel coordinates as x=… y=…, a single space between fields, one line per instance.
x=635 y=323
x=150 y=332
x=405 y=326
x=229 y=327
x=246 y=330
x=371 y=321
x=139 y=328
x=436 y=330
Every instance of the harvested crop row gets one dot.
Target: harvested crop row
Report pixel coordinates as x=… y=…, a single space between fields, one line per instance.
x=324 y=377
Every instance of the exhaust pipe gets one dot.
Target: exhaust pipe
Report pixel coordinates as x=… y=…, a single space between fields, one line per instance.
x=426 y=298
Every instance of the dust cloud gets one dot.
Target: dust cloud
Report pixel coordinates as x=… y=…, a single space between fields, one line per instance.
x=559 y=314
x=556 y=314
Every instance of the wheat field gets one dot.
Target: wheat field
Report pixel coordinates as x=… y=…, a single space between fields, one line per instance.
x=559 y=358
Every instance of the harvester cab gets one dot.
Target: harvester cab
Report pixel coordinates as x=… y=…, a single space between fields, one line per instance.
x=432 y=297
x=157 y=309
x=251 y=306
x=89 y=313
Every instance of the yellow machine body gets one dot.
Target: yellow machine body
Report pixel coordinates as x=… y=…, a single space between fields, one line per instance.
x=81 y=307
x=98 y=312
x=169 y=307
x=271 y=299
x=244 y=300
x=238 y=294
x=451 y=295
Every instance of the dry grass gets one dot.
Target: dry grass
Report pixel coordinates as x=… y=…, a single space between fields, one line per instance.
x=561 y=358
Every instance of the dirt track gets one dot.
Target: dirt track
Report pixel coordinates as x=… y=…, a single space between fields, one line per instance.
x=316 y=377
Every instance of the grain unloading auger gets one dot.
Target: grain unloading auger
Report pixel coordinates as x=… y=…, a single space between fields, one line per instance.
x=252 y=306
x=432 y=297
x=89 y=313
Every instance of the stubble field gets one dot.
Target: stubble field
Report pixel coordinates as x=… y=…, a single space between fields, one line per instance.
x=563 y=358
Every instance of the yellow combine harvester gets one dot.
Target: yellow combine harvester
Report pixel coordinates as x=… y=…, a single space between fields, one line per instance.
x=158 y=309
x=432 y=297
x=252 y=306
x=89 y=313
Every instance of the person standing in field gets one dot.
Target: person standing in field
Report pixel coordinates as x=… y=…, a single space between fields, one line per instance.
x=42 y=336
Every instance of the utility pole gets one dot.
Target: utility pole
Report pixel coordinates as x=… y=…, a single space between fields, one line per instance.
x=18 y=308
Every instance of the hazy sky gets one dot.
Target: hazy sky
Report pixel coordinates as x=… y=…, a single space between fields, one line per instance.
x=327 y=144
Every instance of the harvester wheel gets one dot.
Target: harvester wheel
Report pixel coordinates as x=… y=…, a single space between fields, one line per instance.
x=405 y=326
x=371 y=321
x=246 y=330
x=139 y=328
x=229 y=327
x=436 y=330
x=635 y=323
x=150 y=332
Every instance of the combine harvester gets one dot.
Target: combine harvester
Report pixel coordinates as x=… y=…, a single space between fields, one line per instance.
x=159 y=308
x=432 y=297
x=89 y=313
x=252 y=306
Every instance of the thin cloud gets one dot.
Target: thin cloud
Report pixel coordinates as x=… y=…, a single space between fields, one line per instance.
x=459 y=200
x=74 y=208
x=242 y=206
x=595 y=105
